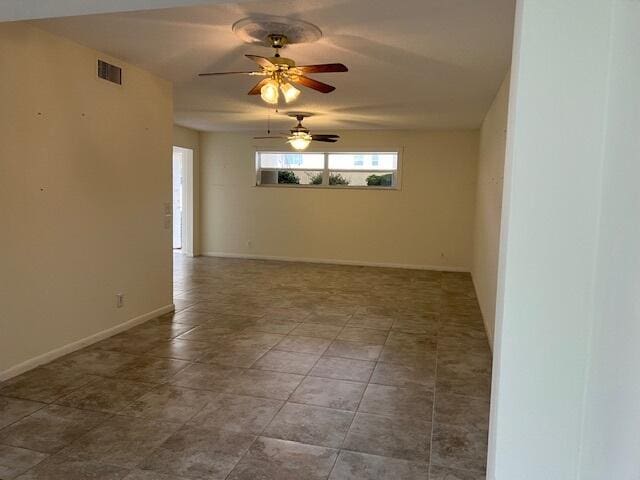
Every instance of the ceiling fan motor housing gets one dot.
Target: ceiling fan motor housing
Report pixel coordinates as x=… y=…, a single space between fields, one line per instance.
x=278 y=40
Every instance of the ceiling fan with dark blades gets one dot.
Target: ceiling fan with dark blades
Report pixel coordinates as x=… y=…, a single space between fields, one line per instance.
x=281 y=73
x=299 y=137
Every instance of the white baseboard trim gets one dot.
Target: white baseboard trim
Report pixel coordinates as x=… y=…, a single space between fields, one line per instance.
x=359 y=263
x=77 y=345
x=485 y=319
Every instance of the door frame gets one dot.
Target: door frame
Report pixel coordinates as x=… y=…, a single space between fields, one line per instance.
x=188 y=203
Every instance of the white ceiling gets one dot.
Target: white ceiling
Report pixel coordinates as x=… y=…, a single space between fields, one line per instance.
x=413 y=64
x=12 y=10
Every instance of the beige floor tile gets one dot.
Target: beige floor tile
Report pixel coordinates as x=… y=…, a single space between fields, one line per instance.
x=199 y=453
x=317 y=330
x=309 y=424
x=105 y=395
x=121 y=441
x=288 y=362
x=461 y=447
x=363 y=335
x=407 y=439
x=262 y=383
x=15 y=461
x=327 y=392
x=273 y=459
x=45 y=384
x=404 y=375
x=206 y=377
x=335 y=319
x=441 y=473
x=238 y=413
x=96 y=362
x=362 y=466
x=14 y=409
x=415 y=402
x=355 y=350
x=50 y=429
x=170 y=403
x=371 y=321
x=179 y=349
x=151 y=370
x=343 y=369
x=462 y=411
x=233 y=355
x=60 y=467
x=304 y=344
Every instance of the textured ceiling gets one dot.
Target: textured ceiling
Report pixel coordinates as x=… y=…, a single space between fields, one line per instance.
x=12 y=10
x=414 y=64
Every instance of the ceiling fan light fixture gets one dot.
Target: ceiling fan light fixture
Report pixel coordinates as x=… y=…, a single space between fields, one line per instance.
x=269 y=92
x=290 y=92
x=300 y=140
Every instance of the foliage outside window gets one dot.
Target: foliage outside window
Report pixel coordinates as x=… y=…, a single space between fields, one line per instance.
x=334 y=179
x=339 y=169
x=288 y=177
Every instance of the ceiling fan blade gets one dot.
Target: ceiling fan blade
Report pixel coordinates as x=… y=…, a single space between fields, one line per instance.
x=314 y=138
x=324 y=68
x=319 y=135
x=256 y=89
x=264 y=138
x=227 y=73
x=314 y=84
x=262 y=61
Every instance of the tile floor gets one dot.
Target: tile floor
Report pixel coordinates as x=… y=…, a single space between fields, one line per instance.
x=267 y=370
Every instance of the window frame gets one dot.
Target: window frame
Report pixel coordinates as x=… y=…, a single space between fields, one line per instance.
x=397 y=174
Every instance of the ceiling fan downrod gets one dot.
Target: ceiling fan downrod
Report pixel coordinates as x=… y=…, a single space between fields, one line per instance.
x=278 y=41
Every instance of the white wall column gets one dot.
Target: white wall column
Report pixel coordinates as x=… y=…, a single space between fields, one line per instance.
x=567 y=189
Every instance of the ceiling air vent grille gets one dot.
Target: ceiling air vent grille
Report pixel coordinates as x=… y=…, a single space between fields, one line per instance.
x=109 y=72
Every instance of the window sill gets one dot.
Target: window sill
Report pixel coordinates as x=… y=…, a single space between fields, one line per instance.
x=326 y=187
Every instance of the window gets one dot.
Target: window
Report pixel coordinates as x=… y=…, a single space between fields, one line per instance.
x=329 y=169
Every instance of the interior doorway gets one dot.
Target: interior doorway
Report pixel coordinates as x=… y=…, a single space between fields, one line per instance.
x=177 y=200
x=183 y=208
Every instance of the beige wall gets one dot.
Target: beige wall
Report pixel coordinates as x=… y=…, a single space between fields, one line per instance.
x=186 y=138
x=84 y=174
x=486 y=236
x=189 y=138
x=428 y=223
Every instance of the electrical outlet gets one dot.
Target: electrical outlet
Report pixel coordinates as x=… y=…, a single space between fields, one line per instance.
x=119 y=300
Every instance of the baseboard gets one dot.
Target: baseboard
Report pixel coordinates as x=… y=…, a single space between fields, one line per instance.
x=359 y=263
x=487 y=331
x=77 y=345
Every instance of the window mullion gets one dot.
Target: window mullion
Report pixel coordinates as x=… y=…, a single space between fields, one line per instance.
x=325 y=172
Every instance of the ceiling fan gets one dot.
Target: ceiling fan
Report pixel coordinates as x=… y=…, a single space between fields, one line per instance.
x=281 y=72
x=299 y=137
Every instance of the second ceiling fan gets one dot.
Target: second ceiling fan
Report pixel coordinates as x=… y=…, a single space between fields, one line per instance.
x=281 y=72
x=299 y=137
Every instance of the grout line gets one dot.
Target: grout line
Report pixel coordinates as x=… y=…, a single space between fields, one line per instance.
x=355 y=413
x=433 y=414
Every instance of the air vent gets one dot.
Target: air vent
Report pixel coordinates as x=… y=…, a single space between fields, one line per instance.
x=109 y=72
